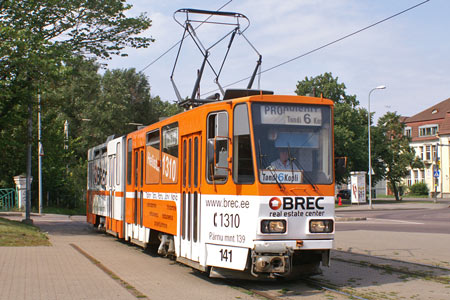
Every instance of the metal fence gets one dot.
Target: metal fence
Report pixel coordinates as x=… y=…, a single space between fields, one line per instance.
x=8 y=199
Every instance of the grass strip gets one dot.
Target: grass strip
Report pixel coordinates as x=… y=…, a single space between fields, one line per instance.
x=18 y=234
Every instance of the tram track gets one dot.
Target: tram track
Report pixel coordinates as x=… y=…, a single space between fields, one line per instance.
x=333 y=289
x=280 y=293
x=424 y=271
x=338 y=284
x=391 y=260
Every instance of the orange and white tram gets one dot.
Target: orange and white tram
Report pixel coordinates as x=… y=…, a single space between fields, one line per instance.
x=234 y=187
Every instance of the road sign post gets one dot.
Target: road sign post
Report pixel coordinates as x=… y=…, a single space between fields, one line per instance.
x=436 y=176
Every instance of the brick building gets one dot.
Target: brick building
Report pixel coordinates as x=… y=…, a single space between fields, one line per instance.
x=430 y=138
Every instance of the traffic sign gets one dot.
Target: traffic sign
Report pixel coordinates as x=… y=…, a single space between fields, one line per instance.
x=436 y=173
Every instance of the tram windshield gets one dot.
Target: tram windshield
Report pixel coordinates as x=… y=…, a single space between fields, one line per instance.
x=293 y=143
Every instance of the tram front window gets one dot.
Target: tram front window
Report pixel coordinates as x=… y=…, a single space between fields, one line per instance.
x=293 y=143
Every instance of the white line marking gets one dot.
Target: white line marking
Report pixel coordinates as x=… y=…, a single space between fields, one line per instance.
x=378 y=221
x=401 y=221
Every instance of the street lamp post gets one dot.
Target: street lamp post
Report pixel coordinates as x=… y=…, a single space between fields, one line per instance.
x=381 y=87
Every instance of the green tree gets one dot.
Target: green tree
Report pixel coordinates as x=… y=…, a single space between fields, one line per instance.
x=37 y=37
x=64 y=171
x=396 y=155
x=95 y=107
x=328 y=86
x=125 y=100
x=350 y=122
x=39 y=41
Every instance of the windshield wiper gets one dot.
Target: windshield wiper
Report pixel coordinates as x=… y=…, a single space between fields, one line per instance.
x=261 y=156
x=262 y=159
x=291 y=160
x=299 y=166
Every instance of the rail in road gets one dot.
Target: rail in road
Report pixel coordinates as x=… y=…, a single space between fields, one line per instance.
x=351 y=275
x=354 y=276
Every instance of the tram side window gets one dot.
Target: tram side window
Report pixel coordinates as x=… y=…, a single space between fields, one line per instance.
x=217 y=144
x=129 y=157
x=152 y=160
x=136 y=168
x=91 y=175
x=242 y=148
x=169 y=159
x=118 y=163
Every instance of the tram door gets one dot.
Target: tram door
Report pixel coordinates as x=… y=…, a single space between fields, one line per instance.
x=190 y=201
x=111 y=190
x=138 y=187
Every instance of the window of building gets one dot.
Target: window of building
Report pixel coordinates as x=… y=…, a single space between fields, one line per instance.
x=428 y=130
x=434 y=148
x=408 y=131
x=428 y=152
x=416 y=176
x=422 y=175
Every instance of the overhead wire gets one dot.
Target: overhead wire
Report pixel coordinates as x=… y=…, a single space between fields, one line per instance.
x=177 y=43
x=326 y=45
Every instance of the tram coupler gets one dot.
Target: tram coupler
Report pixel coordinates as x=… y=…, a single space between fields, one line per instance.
x=277 y=262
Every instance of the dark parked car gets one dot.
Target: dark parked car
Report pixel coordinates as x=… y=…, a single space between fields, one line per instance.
x=344 y=194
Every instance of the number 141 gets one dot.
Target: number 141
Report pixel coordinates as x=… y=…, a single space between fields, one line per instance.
x=226 y=254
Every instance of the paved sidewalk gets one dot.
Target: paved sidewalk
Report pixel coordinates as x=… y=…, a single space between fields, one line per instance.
x=423 y=248
x=54 y=272
x=61 y=272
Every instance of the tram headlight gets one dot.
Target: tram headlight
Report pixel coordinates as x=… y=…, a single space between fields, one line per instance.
x=273 y=226
x=321 y=226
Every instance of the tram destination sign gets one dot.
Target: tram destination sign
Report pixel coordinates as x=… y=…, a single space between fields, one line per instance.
x=291 y=115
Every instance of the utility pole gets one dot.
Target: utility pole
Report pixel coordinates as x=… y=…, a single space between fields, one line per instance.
x=436 y=173
x=40 y=153
x=27 y=219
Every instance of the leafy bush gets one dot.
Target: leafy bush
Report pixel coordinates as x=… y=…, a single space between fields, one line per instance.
x=419 y=188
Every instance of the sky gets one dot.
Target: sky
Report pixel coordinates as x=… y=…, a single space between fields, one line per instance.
x=409 y=54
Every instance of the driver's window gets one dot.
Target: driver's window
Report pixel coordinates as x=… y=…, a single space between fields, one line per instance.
x=242 y=149
x=217 y=144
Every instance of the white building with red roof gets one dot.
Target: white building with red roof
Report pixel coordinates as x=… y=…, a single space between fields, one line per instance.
x=430 y=138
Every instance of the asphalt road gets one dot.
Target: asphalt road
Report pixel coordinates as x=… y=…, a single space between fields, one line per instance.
x=410 y=220
x=62 y=272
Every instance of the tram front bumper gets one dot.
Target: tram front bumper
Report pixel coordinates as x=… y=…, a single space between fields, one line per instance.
x=276 y=257
x=281 y=246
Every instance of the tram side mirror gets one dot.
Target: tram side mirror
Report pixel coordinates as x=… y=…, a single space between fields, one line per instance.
x=340 y=166
x=218 y=158
x=210 y=153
